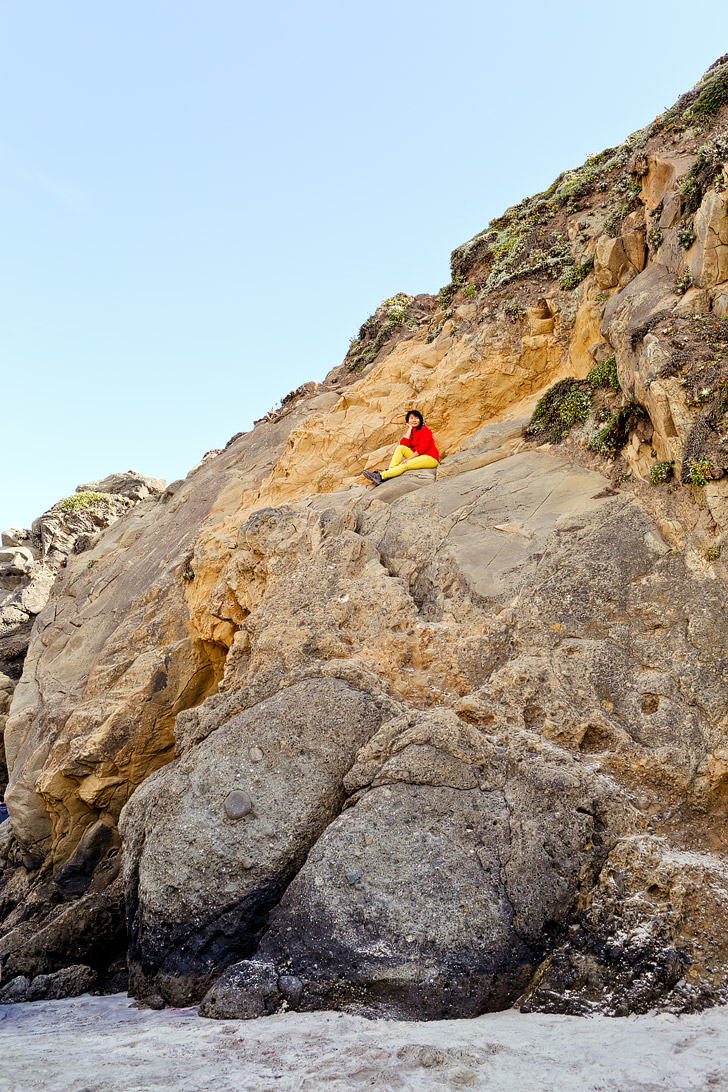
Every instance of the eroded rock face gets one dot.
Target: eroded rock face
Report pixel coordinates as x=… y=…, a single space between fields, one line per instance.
x=246 y=805
x=114 y=659
x=472 y=840
x=128 y=483
x=653 y=936
x=433 y=895
x=31 y=559
x=528 y=646
x=45 y=933
x=69 y=982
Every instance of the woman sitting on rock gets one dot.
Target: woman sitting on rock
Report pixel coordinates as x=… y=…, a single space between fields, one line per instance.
x=416 y=451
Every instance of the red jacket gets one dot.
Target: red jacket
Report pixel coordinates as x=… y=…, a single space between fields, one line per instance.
x=421 y=442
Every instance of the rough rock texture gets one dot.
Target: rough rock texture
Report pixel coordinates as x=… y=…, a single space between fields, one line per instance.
x=246 y=804
x=7 y=686
x=636 y=945
x=434 y=894
x=511 y=672
x=129 y=483
x=571 y=684
x=70 y=982
x=31 y=559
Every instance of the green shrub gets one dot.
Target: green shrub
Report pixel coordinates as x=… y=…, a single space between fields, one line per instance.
x=573 y=275
x=686 y=237
x=447 y=294
x=469 y=291
x=654 y=238
x=613 y=220
x=708 y=164
x=701 y=471
x=661 y=472
x=604 y=374
x=559 y=408
x=575 y=407
x=396 y=308
x=78 y=502
x=684 y=283
x=712 y=553
x=713 y=96
x=610 y=439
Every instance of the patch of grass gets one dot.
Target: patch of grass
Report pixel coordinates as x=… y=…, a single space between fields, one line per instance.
x=712 y=553
x=714 y=94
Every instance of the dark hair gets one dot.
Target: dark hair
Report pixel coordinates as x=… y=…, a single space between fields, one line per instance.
x=417 y=414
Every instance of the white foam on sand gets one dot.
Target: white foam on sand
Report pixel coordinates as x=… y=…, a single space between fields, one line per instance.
x=101 y=1044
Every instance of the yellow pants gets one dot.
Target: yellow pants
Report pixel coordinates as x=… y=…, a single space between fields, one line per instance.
x=420 y=462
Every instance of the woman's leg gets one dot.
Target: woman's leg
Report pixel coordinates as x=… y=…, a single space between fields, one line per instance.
x=400 y=453
x=420 y=462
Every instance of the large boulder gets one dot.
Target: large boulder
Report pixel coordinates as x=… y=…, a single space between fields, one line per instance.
x=129 y=483
x=460 y=860
x=617 y=261
x=212 y=841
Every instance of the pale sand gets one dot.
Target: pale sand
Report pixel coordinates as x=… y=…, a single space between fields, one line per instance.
x=100 y=1044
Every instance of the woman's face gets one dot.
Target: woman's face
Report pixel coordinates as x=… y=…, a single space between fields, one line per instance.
x=413 y=421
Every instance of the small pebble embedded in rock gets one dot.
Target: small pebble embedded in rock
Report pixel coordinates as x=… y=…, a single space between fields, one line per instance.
x=256 y=755
x=237 y=804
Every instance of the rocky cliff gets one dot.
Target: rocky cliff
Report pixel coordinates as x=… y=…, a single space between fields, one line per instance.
x=443 y=746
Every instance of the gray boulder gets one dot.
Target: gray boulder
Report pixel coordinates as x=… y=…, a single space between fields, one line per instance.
x=212 y=840
x=462 y=859
x=68 y=982
x=128 y=483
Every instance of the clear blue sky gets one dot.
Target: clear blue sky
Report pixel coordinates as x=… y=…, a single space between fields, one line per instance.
x=203 y=201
